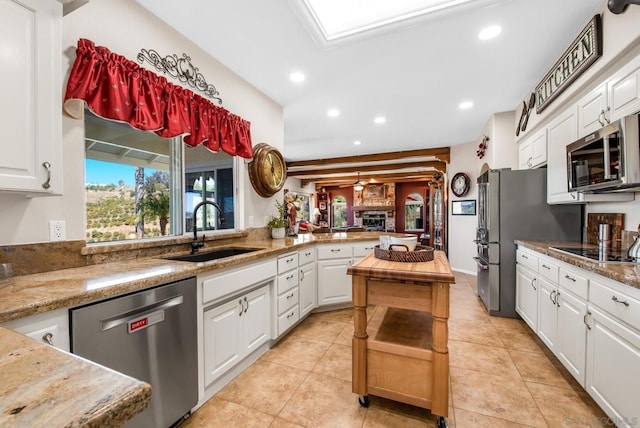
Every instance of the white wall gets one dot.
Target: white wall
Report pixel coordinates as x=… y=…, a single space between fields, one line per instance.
x=125 y=27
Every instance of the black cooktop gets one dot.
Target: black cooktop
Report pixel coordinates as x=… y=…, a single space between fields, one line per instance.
x=597 y=254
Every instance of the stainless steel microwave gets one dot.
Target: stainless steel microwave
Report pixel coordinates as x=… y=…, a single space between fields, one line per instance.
x=607 y=160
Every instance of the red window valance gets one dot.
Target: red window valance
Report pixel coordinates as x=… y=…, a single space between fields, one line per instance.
x=119 y=89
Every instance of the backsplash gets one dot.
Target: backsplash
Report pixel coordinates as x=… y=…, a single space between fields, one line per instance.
x=614 y=220
x=26 y=259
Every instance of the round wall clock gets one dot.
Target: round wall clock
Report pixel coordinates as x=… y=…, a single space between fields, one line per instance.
x=267 y=170
x=460 y=184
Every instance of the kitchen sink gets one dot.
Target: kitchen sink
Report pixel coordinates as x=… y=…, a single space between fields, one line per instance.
x=213 y=254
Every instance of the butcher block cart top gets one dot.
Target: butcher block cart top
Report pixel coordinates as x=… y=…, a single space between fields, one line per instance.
x=401 y=353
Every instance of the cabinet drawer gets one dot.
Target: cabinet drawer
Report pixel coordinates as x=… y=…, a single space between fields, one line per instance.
x=548 y=270
x=334 y=252
x=287 y=280
x=306 y=255
x=577 y=284
x=619 y=304
x=527 y=259
x=288 y=300
x=288 y=262
x=288 y=319
x=363 y=249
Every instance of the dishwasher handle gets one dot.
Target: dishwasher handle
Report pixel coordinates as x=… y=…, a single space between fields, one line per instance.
x=141 y=312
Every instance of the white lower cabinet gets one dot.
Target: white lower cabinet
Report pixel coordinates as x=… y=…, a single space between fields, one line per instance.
x=334 y=284
x=233 y=330
x=308 y=289
x=592 y=324
x=572 y=334
x=49 y=327
x=527 y=296
x=548 y=313
x=613 y=368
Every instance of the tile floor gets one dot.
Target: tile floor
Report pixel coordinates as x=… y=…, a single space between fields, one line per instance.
x=501 y=376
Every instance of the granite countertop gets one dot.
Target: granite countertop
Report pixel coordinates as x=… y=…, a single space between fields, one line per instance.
x=40 y=385
x=624 y=272
x=24 y=295
x=43 y=386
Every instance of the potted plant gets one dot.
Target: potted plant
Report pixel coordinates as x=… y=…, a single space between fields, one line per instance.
x=278 y=223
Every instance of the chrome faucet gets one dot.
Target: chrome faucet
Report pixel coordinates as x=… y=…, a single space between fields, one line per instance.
x=195 y=244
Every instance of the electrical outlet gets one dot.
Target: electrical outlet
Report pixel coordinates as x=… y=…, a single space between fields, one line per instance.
x=57 y=230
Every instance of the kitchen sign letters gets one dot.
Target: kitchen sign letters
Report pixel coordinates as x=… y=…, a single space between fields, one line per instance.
x=583 y=52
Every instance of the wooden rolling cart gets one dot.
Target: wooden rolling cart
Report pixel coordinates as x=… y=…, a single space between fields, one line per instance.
x=402 y=354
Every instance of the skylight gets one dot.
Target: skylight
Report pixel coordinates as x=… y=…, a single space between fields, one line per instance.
x=340 y=18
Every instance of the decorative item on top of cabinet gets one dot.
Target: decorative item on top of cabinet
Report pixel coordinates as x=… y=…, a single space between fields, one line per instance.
x=526 y=112
x=619 y=6
x=31 y=161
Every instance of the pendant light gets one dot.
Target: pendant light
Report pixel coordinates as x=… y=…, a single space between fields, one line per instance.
x=358 y=185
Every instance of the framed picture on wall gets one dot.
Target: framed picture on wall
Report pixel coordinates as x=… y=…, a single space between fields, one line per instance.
x=322 y=205
x=466 y=207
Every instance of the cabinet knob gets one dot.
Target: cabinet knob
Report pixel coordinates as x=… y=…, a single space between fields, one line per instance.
x=48 y=338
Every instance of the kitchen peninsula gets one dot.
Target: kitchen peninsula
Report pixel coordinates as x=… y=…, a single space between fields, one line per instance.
x=405 y=357
x=47 y=292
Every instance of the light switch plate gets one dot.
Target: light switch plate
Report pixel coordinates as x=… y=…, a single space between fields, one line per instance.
x=57 y=230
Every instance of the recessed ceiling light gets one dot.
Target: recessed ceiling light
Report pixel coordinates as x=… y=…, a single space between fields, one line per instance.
x=380 y=119
x=296 y=77
x=334 y=112
x=490 y=32
x=357 y=142
x=465 y=105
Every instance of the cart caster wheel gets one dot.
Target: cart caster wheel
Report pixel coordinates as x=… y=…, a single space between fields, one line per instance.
x=442 y=422
x=364 y=401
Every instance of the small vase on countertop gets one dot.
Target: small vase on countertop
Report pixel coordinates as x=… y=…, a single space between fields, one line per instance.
x=277 y=232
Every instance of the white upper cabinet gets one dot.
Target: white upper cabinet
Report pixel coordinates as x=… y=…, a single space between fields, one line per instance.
x=615 y=98
x=624 y=91
x=533 y=151
x=592 y=110
x=31 y=101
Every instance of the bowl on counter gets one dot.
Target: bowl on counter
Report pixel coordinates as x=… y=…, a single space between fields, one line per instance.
x=409 y=241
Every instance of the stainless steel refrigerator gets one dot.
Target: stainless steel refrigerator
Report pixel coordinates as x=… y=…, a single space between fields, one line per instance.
x=512 y=204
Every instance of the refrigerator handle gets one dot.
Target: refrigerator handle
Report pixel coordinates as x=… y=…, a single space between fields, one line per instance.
x=480 y=264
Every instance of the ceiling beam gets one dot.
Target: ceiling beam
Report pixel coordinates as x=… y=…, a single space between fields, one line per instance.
x=439 y=165
x=370 y=179
x=441 y=153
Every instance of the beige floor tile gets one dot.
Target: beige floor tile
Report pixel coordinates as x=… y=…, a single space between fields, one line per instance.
x=299 y=352
x=481 y=358
x=466 y=419
x=563 y=407
x=522 y=341
x=318 y=329
x=482 y=333
x=468 y=311
x=541 y=368
x=508 y=325
x=503 y=397
x=217 y=413
x=264 y=386
x=389 y=410
x=323 y=401
x=346 y=335
x=381 y=418
x=336 y=362
x=281 y=423
x=340 y=315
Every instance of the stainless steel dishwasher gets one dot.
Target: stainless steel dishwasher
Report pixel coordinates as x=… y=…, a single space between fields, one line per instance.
x=150 y=335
